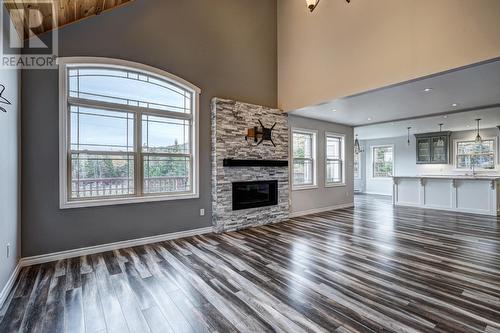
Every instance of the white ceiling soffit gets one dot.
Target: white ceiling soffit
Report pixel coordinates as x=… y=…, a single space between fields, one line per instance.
x=473 y=87
x=462 y=121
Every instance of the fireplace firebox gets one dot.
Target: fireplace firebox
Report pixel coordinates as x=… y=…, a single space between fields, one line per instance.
x=255 y=194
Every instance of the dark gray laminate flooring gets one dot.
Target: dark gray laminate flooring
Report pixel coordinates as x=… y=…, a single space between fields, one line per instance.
x=374 y=268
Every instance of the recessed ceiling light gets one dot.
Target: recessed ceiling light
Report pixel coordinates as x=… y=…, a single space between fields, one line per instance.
x=445 y=117
x=468 y=126
x=369 y=118
x=428 y=89
x=334 y=110
x=454 y=105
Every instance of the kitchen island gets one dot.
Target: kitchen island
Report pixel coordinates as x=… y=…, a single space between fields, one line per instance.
x=470 y=194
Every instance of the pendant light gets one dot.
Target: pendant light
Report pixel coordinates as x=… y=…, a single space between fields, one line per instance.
x=409 y=128
x=312 y=4
x=478 y=137
x=357 y=147
x=440 y=142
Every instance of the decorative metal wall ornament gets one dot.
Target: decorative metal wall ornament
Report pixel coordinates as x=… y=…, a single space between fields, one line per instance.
x=312 y=4
x=265 y=134
x=3 y=99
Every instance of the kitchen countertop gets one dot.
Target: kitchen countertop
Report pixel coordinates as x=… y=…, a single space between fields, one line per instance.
x=468 y=177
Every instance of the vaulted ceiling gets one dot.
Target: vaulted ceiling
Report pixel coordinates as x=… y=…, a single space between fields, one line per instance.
x=35 y=17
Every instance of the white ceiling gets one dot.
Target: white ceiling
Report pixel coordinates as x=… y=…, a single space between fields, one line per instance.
x=472 y=87
x=461 y=121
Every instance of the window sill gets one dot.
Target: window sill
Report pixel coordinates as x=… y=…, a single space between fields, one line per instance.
x=124 y=201
x=302 y=188
x=335 y=185
x=469 y=170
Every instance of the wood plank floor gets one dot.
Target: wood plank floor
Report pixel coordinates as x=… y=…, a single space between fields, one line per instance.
x=375 y=268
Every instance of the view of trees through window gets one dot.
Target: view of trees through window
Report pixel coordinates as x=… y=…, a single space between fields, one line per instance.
x=478 y=155
x=303 y=158
x=107 y=109
x=334 y=159
x=382 y=161
x=357 y=165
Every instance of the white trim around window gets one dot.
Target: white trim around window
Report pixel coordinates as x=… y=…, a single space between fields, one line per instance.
x=496 y=149
x=372 y=173
x=64 y=131
x=313 y=159
x=340 y=159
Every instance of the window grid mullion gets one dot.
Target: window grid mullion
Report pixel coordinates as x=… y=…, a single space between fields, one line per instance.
x=139 y=168
x=76 y=101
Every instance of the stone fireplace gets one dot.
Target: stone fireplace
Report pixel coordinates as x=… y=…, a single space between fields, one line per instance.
x=249 y=181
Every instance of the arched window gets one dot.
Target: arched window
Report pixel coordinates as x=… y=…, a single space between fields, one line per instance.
x=129 y=133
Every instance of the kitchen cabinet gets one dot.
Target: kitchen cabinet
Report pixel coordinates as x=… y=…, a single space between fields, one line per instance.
x=433 y=148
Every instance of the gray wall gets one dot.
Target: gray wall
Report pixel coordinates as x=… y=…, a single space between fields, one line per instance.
x=405 y=160
x=225 y=47
x=404 y=163
x=10 y=232
x=322 y=197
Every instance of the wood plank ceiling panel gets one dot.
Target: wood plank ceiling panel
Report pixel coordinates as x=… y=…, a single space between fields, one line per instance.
x=33 y=17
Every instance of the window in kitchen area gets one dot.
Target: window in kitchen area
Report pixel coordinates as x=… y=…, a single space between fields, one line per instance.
x=383 y=161
x=357 y=166
x=481 y=156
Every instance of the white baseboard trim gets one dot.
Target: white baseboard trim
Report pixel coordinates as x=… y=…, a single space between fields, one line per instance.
x=321 y=210
x=35 y=260
x=10 y=283
x=376 y=193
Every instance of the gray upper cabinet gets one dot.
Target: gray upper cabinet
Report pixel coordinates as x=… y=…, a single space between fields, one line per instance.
x=433 y=148
x=423 y=150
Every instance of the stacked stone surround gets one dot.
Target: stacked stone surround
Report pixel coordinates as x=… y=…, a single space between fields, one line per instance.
x=230 y=121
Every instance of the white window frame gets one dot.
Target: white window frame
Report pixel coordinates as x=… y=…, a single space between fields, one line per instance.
x=342 y=158
x=360 y=163
x=64 y=140
x=372 y=173
x=314 y=152
x=495 y=149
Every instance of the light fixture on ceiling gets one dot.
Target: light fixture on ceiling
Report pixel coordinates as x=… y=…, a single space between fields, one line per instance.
x=369 y=118
x=454 y=105
x=312 y=4
x=440 y=142
x=478 y=137
x=445 y=117
x=428 y=89
x=409 y=128
x=357 y=147
x=334 y=110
